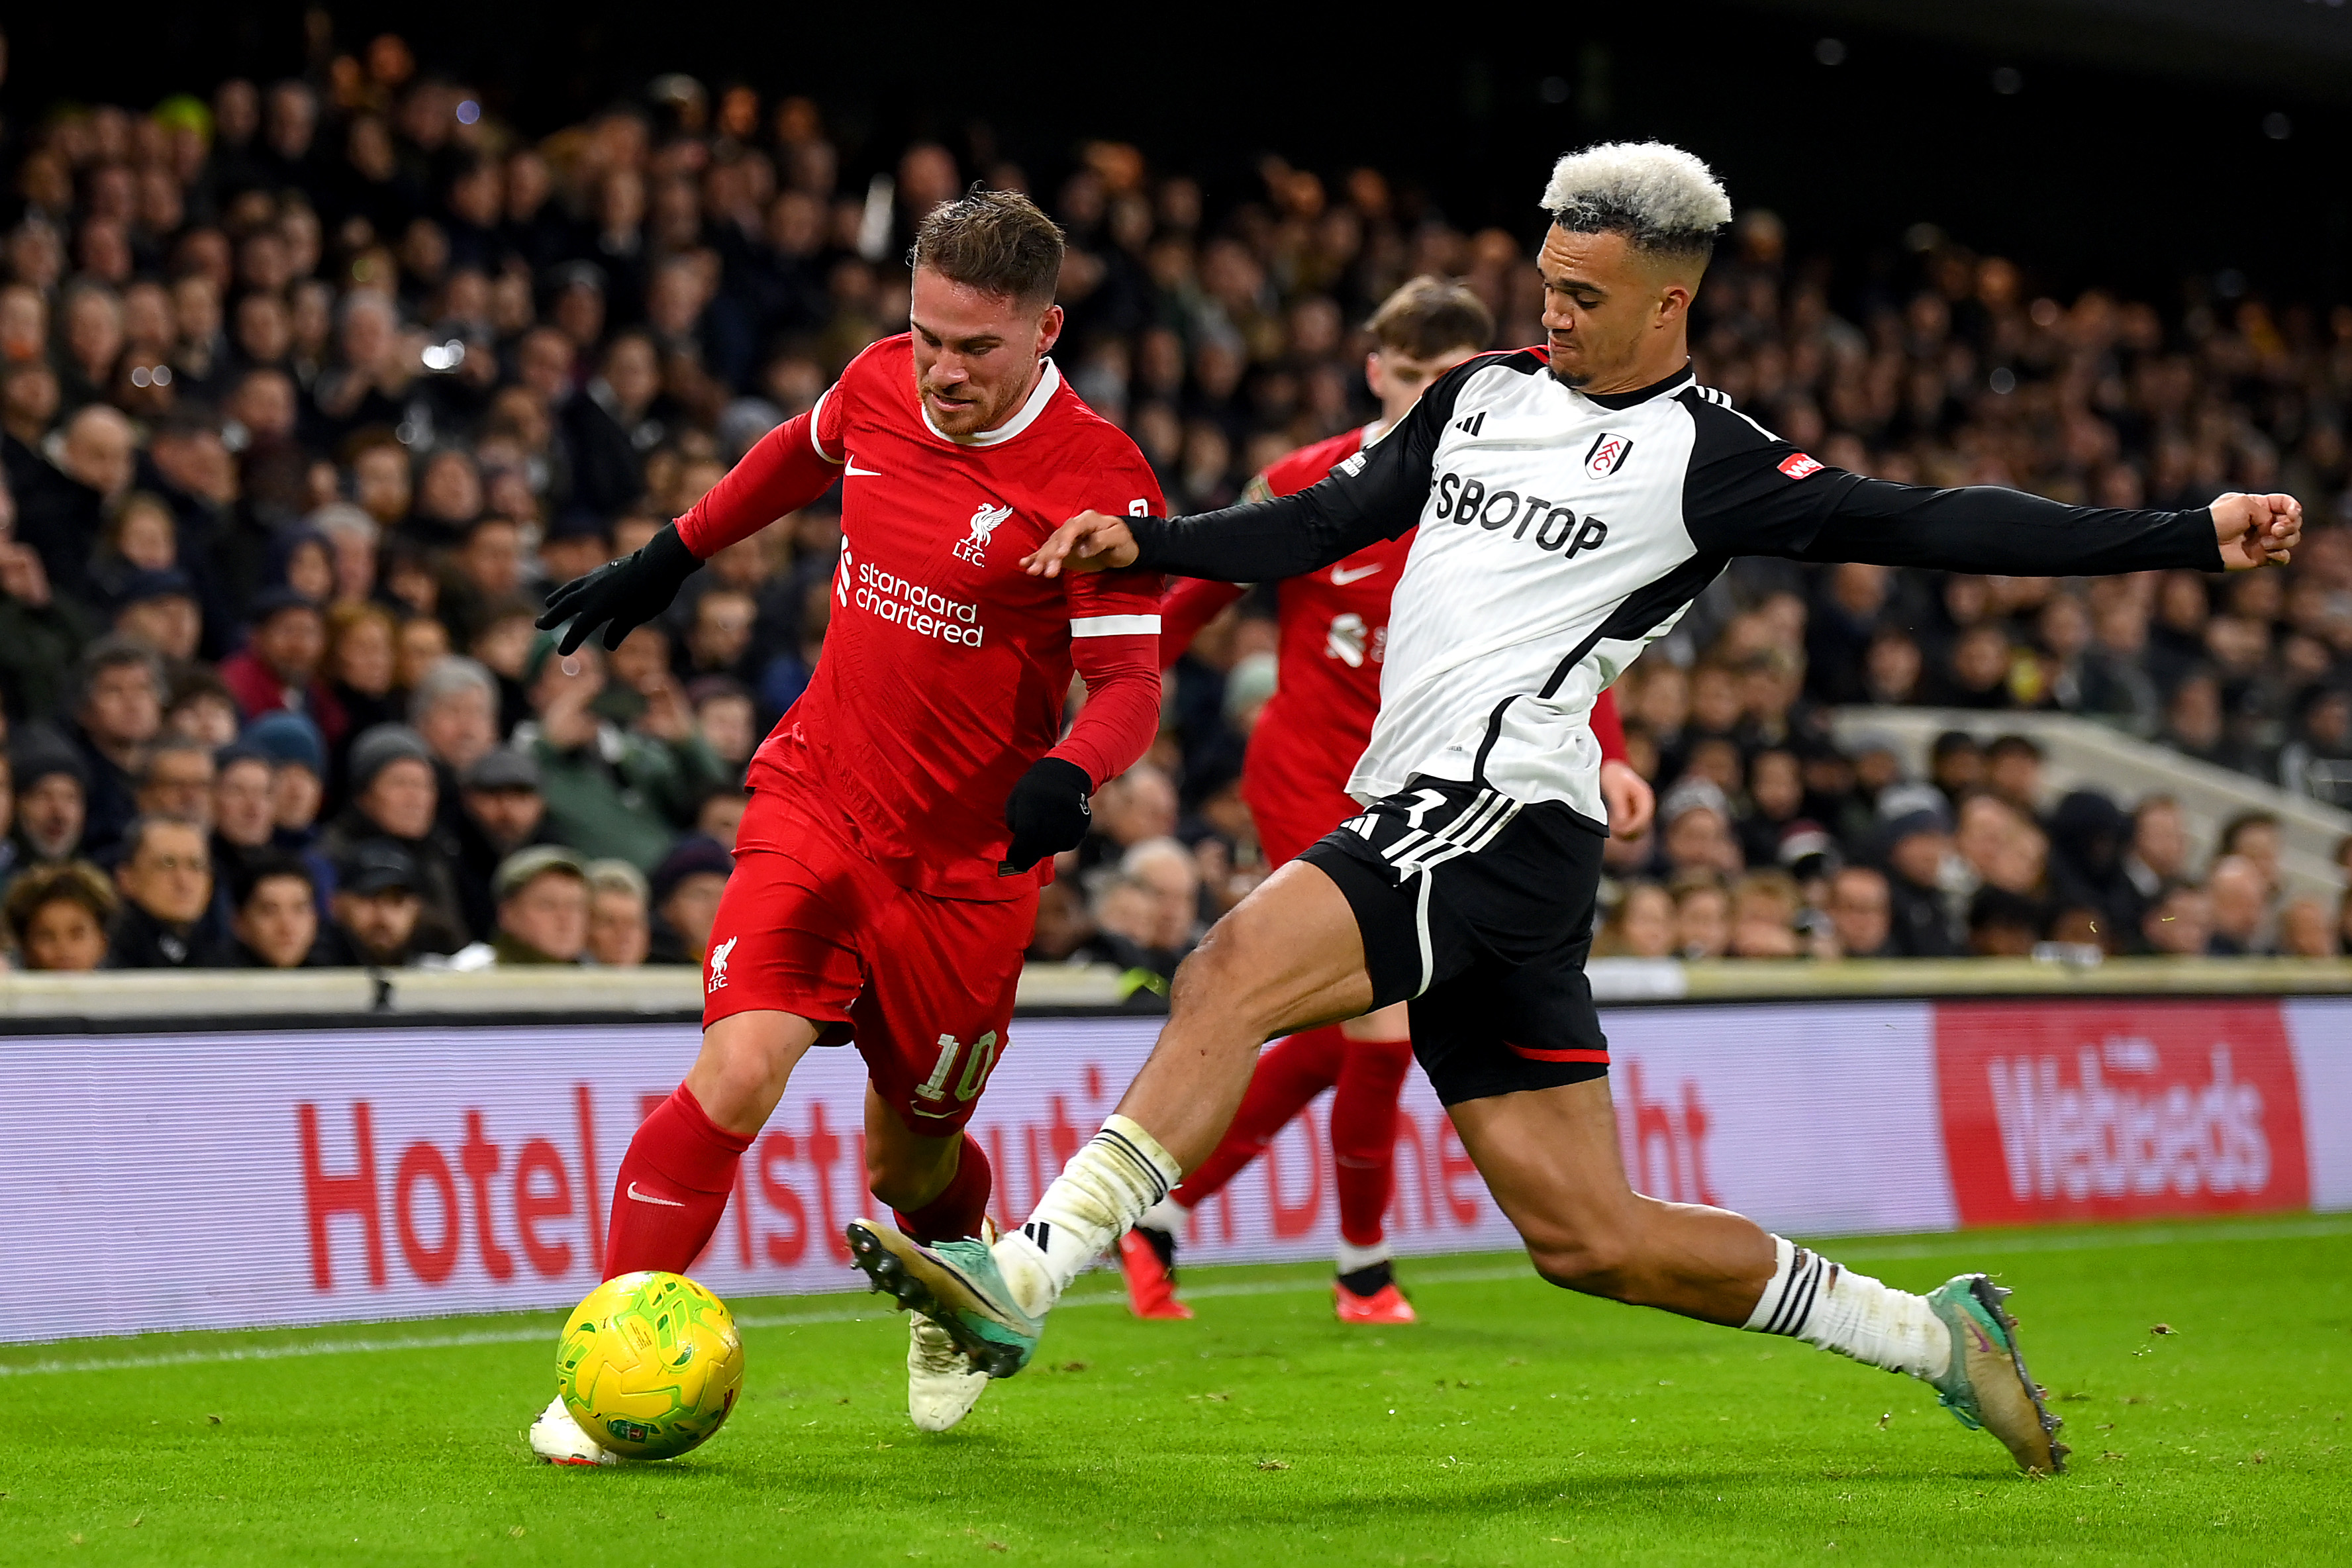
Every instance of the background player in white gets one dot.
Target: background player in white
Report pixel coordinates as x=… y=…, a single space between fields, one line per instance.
x=1335 y=933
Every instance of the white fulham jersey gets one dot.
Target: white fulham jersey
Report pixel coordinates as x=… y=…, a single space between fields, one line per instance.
x=1561 y=532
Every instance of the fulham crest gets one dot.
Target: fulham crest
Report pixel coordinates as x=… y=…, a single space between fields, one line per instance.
x=1607 y=456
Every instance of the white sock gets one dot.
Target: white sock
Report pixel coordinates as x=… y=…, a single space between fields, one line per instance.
x=1119 y=1176
x=1167 y=1215
x=1352 y=1258
x=1826 y=1304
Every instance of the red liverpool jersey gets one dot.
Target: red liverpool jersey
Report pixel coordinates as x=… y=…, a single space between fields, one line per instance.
x=1333 y=627
x=945 y=665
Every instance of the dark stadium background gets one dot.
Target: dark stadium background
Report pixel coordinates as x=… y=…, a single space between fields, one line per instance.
x=2134 y=150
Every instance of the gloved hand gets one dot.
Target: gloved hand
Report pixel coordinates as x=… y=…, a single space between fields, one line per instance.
x=1049 y=811
x=620 y=595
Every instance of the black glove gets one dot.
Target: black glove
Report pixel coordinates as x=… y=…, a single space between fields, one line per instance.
x=1049 y=811
x=620 y=595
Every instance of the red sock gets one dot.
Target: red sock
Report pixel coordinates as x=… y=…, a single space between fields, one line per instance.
x=956 y=1212
x=673 y=1185
x=1363 y=1134
x=1287 y=1077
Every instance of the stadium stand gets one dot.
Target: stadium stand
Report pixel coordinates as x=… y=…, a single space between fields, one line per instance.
x=312 y=391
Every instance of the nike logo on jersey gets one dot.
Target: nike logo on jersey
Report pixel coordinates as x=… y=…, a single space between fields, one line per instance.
x=1555 y=527
x=850 y=471
x=637 y=1196
x=1341 y=576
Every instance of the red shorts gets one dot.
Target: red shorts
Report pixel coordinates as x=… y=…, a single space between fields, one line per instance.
x=923 y=984
x=1291 y=821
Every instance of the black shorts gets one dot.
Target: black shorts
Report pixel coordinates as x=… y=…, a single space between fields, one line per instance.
x=1477 y=910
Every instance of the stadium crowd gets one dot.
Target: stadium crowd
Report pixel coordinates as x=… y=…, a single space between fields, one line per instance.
x=312 y=389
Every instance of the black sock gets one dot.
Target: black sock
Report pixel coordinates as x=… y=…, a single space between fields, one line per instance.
x=1368 y=1281
x=1162 y=1243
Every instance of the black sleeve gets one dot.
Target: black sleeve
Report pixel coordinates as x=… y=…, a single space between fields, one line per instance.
x=1376 y=494
x=1748 y=492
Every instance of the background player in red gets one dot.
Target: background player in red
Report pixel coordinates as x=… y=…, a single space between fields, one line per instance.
x=1334 y=632
x=905 y=812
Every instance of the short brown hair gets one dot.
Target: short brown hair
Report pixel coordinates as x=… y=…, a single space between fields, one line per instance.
x=73 y=881
x=995 y=241
x=1430 y=315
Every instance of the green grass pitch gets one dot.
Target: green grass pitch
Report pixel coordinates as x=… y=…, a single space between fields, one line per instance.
x=1517 y=1424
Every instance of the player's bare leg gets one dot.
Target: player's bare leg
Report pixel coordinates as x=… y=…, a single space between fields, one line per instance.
x=1363 y=1062
x=1553 y=1159
x=1229 y=1000
x=1289 y=956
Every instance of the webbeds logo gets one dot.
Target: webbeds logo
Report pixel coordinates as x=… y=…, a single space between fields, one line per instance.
x=2109 y=1111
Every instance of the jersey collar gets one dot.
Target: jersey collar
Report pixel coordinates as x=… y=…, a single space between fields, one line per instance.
x=1680 y=379
x=1049 y=382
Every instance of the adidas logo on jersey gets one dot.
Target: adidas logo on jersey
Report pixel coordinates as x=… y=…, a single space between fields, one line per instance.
x=1472 y=425
x=1548 y=525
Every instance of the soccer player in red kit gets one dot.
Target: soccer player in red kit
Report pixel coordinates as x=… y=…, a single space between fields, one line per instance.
x=1334 y=631
x=906 y=811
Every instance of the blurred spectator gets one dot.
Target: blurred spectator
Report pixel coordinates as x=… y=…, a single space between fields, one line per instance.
x=276 y=920
x=542 y=895
x=2305 y=931
x=2087 y=843
x=1764 y=906
x=1860 y=912
x=720 y=816
x=2003 y=925
x=1697 y=833
x=2177 y=923
x=418 y=373
x=1918 y=846
x=2254 y=835
x=625 y=791
x=277 y=669
x=686 y=888
x=501 y=811
x=242 y=815
x=297 y=760
x=375 y=909
x=166 y=882
x=620 y=915
x=2236 y=898
x=119 y=711
x=1065 y=925
x=394 y=797
x=2012 y=770
x=177 y=782
x=58 y=915
x=1139 y=804
x=1702 y=914
x=52 y=795
x=1641 y=926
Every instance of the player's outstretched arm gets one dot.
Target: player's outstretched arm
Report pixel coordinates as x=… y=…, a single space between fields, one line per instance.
x=620 y=595
x=782 y=472
x=1984 y=528
x=1376 y=494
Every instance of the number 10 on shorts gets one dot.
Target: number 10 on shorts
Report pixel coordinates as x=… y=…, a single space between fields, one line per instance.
x=977 y=1063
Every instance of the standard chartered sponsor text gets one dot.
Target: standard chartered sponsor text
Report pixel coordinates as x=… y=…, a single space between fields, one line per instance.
x=920 y=610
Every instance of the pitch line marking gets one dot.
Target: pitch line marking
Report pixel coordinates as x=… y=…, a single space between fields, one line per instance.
x=1959 y=1241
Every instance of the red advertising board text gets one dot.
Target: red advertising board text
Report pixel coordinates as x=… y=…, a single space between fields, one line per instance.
x=2114 y=1110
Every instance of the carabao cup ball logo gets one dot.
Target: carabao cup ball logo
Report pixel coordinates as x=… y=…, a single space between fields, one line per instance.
x=650 y=1364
